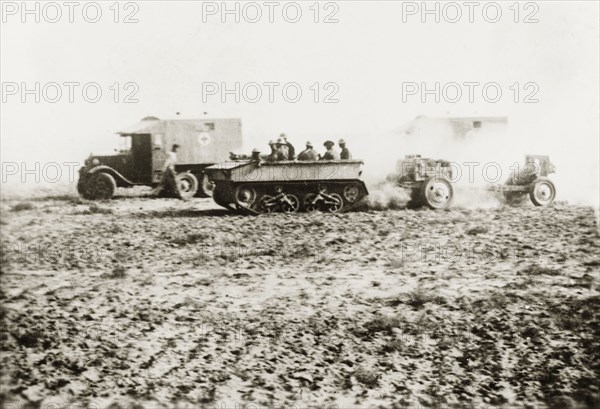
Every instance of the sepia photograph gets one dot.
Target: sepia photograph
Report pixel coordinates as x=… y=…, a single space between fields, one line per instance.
x=300 y=204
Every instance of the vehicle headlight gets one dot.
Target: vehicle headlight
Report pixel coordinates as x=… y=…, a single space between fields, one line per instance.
x=95 y=161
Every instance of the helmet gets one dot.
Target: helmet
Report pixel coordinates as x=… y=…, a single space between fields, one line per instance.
x=341 y=142
x=309 y=144
x=328 y=143
x=280 y=141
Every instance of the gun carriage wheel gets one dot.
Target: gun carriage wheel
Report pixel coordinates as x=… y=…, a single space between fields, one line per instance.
x=542 y=192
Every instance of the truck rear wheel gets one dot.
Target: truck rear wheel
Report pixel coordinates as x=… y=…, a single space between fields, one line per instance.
x=187 y=185
x=100 y=186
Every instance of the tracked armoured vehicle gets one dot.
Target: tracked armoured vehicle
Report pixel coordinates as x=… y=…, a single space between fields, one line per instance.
x=257 y=187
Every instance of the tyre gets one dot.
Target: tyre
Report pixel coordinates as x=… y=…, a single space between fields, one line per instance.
x=266 y=204
x=245 y=195
x=100 y=186
x=352 y=193
x=333 y=205
x=542 y=192
x=290 y=204
x=437 y=193
x=187 y=184
x=310 y=202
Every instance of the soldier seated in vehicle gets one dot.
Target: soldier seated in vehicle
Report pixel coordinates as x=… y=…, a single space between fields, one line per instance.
x=290 y=147
x=330 y=153
x=345 y=154
x=276 y=154
x=308 y=154
x=283 y=148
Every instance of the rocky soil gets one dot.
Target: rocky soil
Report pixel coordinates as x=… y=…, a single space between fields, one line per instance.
x=143 y=302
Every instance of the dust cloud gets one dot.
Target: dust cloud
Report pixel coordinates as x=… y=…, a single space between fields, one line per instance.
x=482 y=159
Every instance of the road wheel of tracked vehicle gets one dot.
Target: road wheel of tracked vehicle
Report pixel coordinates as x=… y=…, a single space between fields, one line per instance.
x=187 y=185
x=101 y=186
x=266 y=204
x=310 y=203
x=206 y=187
x=245 y=196
x=351 y=193
x=542 y=192
x=437 y=193
x=333 y=204
x=290 y=204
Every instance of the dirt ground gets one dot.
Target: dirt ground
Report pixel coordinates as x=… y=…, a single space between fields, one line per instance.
x=142 y=302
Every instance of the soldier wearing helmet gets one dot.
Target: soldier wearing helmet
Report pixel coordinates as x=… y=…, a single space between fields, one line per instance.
x=345 y=154
x=276 y=154
x=255 y=154
x=290 y=147
x=283 y=148
x=308 y=154
x=330 y=153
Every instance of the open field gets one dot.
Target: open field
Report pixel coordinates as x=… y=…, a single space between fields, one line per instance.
x=167 y=303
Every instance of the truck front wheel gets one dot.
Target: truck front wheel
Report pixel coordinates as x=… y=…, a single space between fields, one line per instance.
x=100 y=186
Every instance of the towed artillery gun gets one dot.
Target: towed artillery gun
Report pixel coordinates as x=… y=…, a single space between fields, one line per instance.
x=257 y=187
x=531 y=179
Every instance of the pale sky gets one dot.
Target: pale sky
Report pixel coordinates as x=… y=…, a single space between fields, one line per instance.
x=369 y=53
